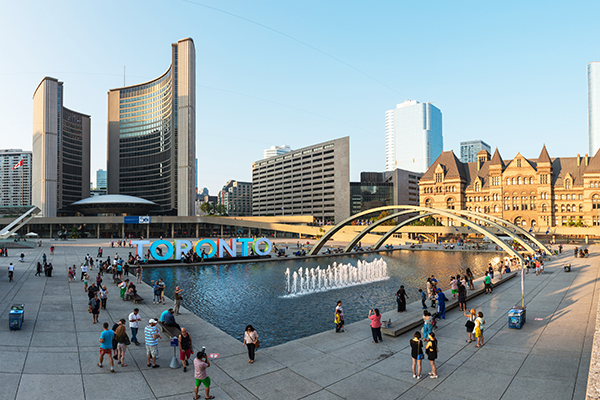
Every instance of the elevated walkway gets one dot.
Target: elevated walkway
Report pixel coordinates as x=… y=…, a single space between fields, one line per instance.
x=15 y=225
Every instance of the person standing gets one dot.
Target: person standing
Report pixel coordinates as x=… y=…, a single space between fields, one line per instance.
x=479 y=322
x=470 y=324
x=152 y=335
x=441 y=299
x=454 y=286
x=462 y=297
x=470 y=278
x=337 y=321
x=138 y=273
x=185 y=347
x=106 y=338
x=250 y=340
x=94 y=308
x=84 y=269
x=431 y=349
x=339 y=307
x=122 y=341
x=134 y=320
x=423 y=298
x=491 y=271
x=487 y=281
x=416 y=352
x=401 y=297
x=177 y=302
x=375 y=318
x=103 y=294
x=200 y=364
x=161 y=285
x=11 y=272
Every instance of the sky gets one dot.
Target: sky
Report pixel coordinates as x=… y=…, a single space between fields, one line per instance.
x=511 y=73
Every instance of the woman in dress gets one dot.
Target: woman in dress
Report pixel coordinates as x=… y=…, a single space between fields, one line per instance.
x=470 y=324
x=479 y=322
x=462 y=297
x=122 y=341
x=401 y=297
x=250 y=340
x=470 y=279
x=375 y=318
x=416 y=352
x=432 y=351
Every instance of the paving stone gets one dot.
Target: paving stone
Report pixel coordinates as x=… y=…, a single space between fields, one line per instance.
x=491 y=387
x=50 y=387
x=539 y=389
x=282 y=384
x=363 y=384
x=116 y=385
x=60 y=362
x=325 y=369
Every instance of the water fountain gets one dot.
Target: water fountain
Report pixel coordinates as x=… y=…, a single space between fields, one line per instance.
x=313 y=280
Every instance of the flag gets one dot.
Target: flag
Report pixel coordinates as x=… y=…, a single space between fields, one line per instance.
x=19 y=164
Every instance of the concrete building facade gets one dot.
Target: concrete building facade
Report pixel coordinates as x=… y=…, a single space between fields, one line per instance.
x=413 y=136
x=237 y=198
x=544 y=192
x=469 y=150
x=15 y=177
x=61 y=151
x=313 y=180
x=152 y=136
x=276 y=150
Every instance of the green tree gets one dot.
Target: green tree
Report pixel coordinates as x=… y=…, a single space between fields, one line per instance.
x=428 y=221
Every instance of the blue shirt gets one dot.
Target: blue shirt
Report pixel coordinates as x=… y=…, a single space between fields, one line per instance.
x=441 y=298
x=107 y=335
x=148 y=332
x=169 y=318
x=163 y=315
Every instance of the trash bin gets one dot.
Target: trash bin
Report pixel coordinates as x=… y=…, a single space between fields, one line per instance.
x=15 y=317
x=516 y=318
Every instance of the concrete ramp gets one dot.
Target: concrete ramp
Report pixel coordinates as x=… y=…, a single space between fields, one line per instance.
x=15 y=225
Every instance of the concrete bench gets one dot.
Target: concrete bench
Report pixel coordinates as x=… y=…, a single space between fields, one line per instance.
x=117 y=281
x=171 y=330
x=137 y=298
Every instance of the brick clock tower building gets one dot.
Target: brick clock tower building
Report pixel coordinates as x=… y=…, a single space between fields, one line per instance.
x=542 y=192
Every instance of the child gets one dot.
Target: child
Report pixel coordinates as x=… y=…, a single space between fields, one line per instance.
x=454 y=286
x=479 y=322
x=423 y=298
x=338 y=321
x=200 y=364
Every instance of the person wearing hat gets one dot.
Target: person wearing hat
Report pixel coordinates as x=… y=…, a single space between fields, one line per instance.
x=441 y=299
x=151 y=335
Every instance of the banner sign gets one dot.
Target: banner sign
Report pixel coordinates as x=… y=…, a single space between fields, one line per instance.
x=137 y=220
x=216 y=247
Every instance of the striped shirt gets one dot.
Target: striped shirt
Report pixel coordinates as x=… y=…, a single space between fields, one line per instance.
x=148 y=332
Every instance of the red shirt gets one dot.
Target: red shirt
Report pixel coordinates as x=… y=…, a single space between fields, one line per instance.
x=375 y=321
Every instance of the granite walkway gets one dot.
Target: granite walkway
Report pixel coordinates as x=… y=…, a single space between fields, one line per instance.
x=54 y=356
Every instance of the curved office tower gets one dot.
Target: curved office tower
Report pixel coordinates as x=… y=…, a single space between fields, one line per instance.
x=61 y=151
x=152 y=136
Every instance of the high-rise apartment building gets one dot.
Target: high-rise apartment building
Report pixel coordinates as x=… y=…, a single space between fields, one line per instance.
x=593 y=83
x=15 y=177
x=237 y=198
x=314 y=180
x=276 y=150
x=469 y=150
x=413 y=136
x=101 y=179
x=152 y=136
x=61 y=151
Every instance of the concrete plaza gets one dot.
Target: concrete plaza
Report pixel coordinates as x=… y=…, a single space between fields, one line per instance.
x=54 y=356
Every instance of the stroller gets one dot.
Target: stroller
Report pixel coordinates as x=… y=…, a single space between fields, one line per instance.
x=433 y=320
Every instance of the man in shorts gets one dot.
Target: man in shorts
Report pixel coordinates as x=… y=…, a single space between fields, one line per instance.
x=185 y=347
x=200 y=364
x=106 y=338
x=151 y=336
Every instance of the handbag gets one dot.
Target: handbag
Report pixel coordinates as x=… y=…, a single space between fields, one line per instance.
x=127 y=341
x=257 y=343
x=90 y=309
x=420 y=356
x=470 y=325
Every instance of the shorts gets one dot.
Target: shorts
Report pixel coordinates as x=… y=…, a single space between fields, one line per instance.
x=121 y=346
x=152 y=351
x=205 y=382
x=183 y=354
x=105 y=351
x=454 y=291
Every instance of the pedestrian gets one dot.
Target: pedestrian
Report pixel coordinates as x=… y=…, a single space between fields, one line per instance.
x=92 y=290
x=44 y=258
x=479 y=322
x=470 y=279
x=423 y=298
x=177 y=301
x=491 y=271
x=431 y=348
x=161 y=285
x=462 y=297
x=94 y=308
x=470 y=324
x=337 y=321
x=441 y=299
x=185 y=347
x=251 y=342
x=401 y=297
x=11 y=272
x=375 y=318
x=50 y=268
x=134 y=320
x=151 y=335
x=416 y=352
x=106 y=339
x=155 y=292
x=339 y=307
x=431 y=291
x=123 y=286
x=138 y=274
x=500 y=265
x=84 y=269
x=103 y=294
x=200 y=364
x=98 y=280
x=22 y=258
x=542 y=267
x=427 y=324
x=51 y=250
x=487 y=282
x=122 y=343
x=38 y=270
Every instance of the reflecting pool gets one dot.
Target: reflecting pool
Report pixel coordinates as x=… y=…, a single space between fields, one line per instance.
x=230 y=296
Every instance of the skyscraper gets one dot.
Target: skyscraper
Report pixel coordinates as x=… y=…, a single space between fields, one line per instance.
x=593 y=82
x=15 y=177
x=276 y=150
x=101 y=179
x=469 y=150
x=61 y=151
x=413 y=136
x=152 y=136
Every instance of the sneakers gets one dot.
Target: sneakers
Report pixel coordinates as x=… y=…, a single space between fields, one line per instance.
x=414 y=376
x=184 y=369
x=433 y=376
x=155 y=366
x=112 y=369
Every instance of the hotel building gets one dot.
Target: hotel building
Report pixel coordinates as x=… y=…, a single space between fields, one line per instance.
x=15 y=181
x=152 y=136
x=237 y=198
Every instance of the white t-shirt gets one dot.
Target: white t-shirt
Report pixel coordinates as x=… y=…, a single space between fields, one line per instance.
x=136 y=318
x=83 y=268
x=11 y=267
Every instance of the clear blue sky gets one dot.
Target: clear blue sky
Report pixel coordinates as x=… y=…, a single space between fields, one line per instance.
x=510 y=73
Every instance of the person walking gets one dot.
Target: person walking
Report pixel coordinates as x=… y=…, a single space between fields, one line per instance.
x=487 y=281
x=479 y=322
x=375 y=318
x=152 y=335
x=337 y=321
x=177 y=301
x=84 y=269
x=94 y=308
x=431 y=349
x=134 y=321
x=339 y=307
x=470 y=324
x=103 y=295
x=423 y=298
x=250 y=341
x=416 y=352
x=122 y=343
x=38 y=269
x=490 y=270
x=401 y=297
x=11 y=272
x=200 y=364
x=185 y=347
x=106 y=338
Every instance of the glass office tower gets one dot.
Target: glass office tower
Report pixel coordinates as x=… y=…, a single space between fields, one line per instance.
x=593 y=81
x=469 y=150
